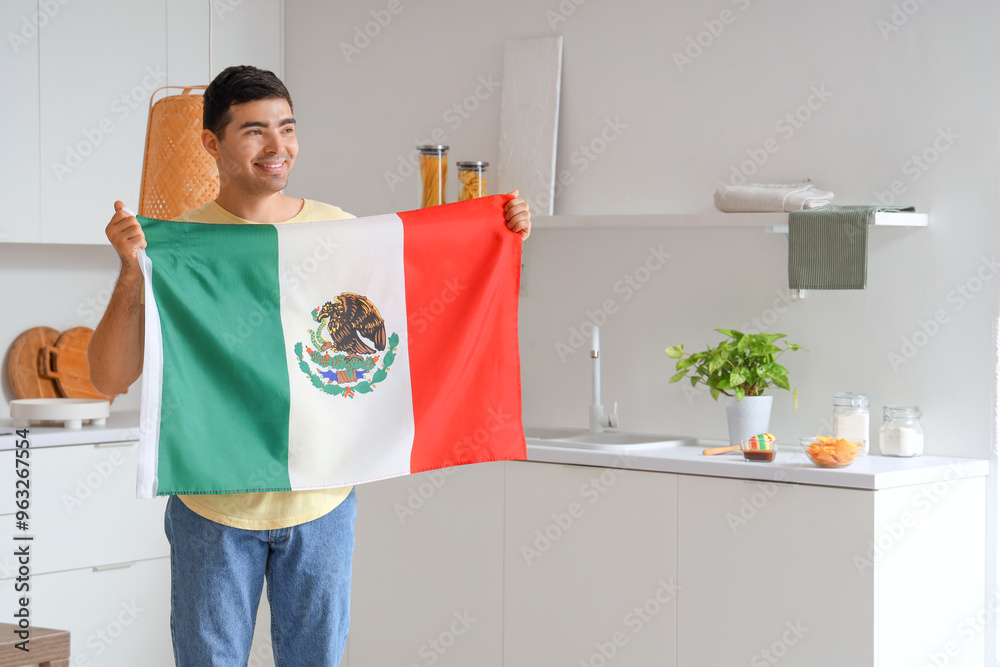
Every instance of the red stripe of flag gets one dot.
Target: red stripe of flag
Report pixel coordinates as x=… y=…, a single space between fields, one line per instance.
x=462 y=266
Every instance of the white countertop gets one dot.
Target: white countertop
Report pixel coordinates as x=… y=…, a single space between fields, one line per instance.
x=121 y=427
x=790 y=464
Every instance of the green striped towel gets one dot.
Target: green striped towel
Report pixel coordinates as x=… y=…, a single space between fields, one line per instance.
x=828 y=246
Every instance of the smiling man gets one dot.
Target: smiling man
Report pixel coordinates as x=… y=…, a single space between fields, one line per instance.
x=223 y=547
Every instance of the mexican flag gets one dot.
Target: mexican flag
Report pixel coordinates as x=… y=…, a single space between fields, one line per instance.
x=312 y=355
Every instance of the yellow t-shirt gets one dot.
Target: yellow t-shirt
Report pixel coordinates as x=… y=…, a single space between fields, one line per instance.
x=265 y=510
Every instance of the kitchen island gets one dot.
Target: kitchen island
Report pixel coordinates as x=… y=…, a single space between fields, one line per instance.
x=644 y=556
x=663 y=556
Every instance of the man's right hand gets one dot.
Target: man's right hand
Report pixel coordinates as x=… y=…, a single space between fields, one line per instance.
x=126 y=237
x=116 y=348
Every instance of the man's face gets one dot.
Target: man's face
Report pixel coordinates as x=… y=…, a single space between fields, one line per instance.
x=258 y=147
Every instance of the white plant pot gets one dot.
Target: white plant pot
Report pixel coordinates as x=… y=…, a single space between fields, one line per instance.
x=748 y=417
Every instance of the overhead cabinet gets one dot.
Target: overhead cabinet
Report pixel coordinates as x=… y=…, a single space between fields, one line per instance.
x=82 y=75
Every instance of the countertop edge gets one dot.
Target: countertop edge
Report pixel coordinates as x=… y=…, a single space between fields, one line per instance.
x=875 y=473
x=121 y=426
x=890 y=472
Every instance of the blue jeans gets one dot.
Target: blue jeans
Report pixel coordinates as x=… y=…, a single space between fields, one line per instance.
x=217 y=573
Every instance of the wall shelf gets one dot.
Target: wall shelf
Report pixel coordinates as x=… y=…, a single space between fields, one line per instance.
x=774 y=223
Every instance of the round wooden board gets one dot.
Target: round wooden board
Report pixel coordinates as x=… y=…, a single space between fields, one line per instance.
x=22 y=364
x=67 y=363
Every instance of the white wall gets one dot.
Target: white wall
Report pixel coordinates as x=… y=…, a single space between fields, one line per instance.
x=58 y=286
x=892 y=93
x=684 y=131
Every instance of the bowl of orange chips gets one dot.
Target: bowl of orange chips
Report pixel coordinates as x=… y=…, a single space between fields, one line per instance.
x=827 y=452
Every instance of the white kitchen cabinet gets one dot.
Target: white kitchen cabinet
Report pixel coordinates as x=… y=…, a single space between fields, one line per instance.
x=7 y=477
x=19 y=114
x=117 y=617
x=83 y=81
x=84 y=511
x=428 y=569
x=187 y=42
x=98 y=64
x=249 y=32
x=811 y=575
x=589 y=566
x=244 y=32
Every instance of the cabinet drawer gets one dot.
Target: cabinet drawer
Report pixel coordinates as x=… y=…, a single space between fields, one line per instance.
x=19 y=64
x=84 y=511
x=6 y=486
x=116 y=617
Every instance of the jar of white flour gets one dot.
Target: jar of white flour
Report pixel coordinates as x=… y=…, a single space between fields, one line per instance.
x=851 y=419
x=901 y=433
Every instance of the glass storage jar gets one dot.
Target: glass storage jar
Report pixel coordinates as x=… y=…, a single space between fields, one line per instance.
x=901 y=433
x=851 y=419
x=471 y=180
x=434 y=172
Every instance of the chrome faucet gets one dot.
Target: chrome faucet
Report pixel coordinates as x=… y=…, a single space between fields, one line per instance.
x=598 y=420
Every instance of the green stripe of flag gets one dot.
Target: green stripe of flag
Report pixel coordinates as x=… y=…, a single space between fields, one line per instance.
x=212 y=403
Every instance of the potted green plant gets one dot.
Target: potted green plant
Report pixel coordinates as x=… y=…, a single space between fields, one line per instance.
x=741 y=367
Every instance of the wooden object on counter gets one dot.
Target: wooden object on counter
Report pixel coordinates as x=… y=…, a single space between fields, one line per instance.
x=720 y=450
x=49 y=648
x=23 y=363
x=66 y=362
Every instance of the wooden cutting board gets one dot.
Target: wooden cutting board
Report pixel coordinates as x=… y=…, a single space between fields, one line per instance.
x=22 y=364
x=66 y=363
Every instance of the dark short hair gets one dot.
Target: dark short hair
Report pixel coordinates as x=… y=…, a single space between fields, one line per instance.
x=238 y=85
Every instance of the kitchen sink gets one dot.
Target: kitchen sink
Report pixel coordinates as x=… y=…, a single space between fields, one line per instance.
x=584 y=439
x=545 y=433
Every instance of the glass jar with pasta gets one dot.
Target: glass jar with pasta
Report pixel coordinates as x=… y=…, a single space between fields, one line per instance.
x=472 y=180
x=434 y=172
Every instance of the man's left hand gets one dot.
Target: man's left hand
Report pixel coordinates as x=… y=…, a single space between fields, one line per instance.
x=518 y=216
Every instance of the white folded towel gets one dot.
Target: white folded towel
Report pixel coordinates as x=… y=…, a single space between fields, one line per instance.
x=764 y=197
